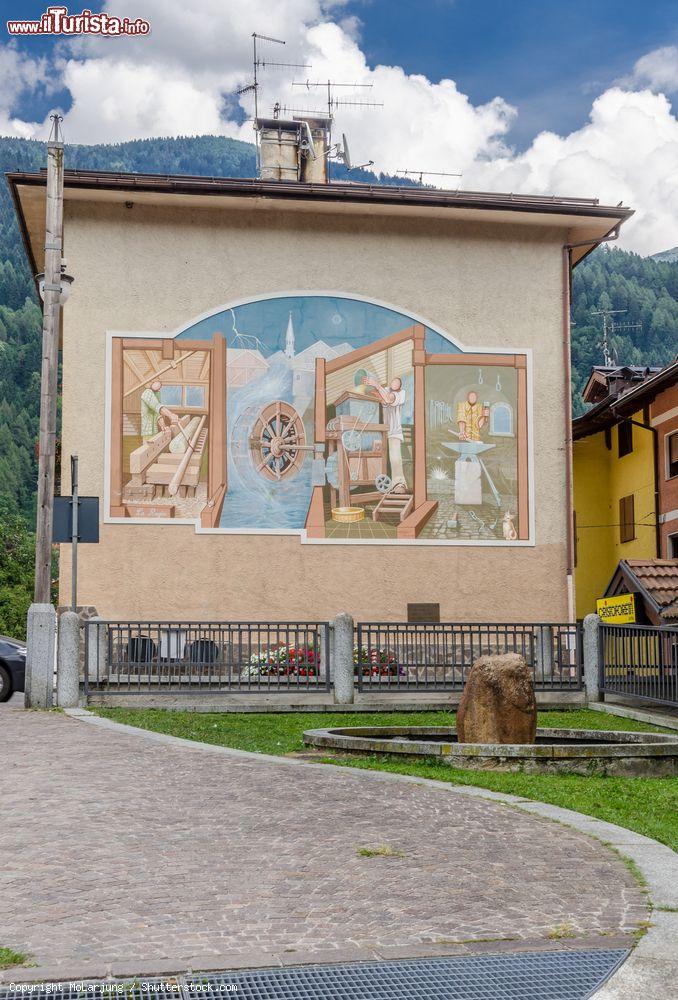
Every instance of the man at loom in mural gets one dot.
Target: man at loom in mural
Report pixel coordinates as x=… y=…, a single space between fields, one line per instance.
x=154 y=415
x=393 y=399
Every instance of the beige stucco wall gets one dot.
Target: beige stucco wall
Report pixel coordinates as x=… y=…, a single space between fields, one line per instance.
x=148 y=268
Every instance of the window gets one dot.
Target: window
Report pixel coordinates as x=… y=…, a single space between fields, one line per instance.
x=624 y=438
x=672 y=455
x=183 y=395
x=501 y=420
x=195 y=395
x=627 y=527
x=672 y=547
x=170 y=395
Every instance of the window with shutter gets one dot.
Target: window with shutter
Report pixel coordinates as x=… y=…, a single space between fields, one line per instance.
x=672 y=456
x=627 y=527
x=624 y=438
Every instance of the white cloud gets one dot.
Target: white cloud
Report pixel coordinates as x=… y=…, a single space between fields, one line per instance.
x=658 y=69
x=627 y=152
x=175 y=81
x=19 y=74
x=114 y=100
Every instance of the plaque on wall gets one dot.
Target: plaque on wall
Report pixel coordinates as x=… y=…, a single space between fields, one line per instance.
x=423 y=612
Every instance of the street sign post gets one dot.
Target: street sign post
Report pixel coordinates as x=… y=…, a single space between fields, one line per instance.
x=76 y=519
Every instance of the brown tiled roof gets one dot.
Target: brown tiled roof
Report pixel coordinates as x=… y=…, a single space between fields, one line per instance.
x=659 y=579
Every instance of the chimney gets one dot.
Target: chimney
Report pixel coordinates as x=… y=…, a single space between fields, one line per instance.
x=294 y=149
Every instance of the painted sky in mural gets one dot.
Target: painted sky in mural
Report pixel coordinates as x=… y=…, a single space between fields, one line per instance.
x=331 y=417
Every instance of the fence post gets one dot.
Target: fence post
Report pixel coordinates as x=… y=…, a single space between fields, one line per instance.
x=68 y=660
x=40 y=643
x=592 y=657
x=543 y=654
x=344 y=679
x=97 y=651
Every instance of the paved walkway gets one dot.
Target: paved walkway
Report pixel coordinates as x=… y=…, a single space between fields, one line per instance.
x=118 y=849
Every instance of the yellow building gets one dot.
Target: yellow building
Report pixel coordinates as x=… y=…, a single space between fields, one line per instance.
x=615 y=498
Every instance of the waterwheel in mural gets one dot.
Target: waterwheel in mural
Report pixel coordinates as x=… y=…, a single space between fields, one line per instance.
x=278 y=441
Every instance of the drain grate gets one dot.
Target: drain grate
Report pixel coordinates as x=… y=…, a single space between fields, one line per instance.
x=564 y=975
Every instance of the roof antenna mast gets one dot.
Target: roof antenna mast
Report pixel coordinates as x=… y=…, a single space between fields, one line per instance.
x=337 y=151
x=610 y=327
x=260 y=64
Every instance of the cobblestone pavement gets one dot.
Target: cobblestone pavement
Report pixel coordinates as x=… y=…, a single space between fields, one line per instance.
x=116 y=847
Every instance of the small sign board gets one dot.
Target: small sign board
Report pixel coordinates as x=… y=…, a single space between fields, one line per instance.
x=88 y=519
x=423 y=612
x=619 y=610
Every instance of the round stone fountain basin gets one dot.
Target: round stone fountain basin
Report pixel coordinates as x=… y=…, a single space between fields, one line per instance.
x=581 y=751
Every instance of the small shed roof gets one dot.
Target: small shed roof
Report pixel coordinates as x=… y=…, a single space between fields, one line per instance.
x=654 y=580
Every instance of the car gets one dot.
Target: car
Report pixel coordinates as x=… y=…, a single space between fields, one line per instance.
x=12 y=666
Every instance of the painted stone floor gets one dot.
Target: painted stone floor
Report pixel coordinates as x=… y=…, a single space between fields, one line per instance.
x=117 y=847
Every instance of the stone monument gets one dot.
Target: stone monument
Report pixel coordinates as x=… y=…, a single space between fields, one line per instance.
x=498 y=703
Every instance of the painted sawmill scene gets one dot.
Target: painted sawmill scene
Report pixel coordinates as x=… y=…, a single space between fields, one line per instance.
x=167 y=396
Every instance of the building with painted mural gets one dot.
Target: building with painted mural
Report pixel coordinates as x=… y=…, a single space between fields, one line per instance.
x=298 y=397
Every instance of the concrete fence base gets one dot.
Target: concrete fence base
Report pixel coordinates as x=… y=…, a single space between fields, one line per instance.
x=68 y=660
x=342 y=660
x=592 y=654
x=40 y=651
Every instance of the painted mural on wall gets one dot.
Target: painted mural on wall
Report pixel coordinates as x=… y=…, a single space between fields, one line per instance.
x=330 y=417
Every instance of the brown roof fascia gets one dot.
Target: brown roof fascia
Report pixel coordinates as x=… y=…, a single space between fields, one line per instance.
x=647 y=391
x=14 y=195
x=357 y=193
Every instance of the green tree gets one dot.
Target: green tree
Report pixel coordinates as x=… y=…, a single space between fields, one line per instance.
x=17 y=554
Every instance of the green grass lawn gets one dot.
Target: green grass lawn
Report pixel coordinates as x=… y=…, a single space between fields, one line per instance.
x=646 y=805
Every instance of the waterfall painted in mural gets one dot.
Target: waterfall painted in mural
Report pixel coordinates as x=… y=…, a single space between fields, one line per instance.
x=331 y=417
x=261 y=491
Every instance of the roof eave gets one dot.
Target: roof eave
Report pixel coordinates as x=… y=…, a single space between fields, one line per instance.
x=381 y=194
x=647 y=391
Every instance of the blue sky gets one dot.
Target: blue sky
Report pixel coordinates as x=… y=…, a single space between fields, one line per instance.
x=573 y=99
x=546 y=58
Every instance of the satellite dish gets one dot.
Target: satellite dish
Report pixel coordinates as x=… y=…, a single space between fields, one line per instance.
x=345 y=154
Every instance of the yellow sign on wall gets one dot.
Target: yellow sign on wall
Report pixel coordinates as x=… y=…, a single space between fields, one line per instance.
x=617 y=610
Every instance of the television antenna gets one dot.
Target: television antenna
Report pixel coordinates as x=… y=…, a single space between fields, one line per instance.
x=336 y=151
x=426 y=173
x=262 y=63
x=610 y=327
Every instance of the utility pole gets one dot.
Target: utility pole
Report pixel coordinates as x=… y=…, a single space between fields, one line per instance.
x=50 y=364
x=41 y=616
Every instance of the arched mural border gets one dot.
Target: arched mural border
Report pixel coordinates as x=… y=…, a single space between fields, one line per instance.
x=417 y=318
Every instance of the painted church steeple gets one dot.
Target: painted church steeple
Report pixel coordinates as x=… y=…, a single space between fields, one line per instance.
x=289 y=338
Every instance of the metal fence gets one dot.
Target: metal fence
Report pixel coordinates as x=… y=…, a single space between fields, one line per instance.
x=639 y=661
x=437 y=656
x=170 y=657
